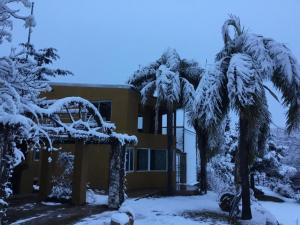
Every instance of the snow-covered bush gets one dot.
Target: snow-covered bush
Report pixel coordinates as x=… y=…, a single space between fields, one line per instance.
x=62 y=182
x=285 y=190
x=271 y=172
x=96 y=197
x=221 y=167
x=220 y=172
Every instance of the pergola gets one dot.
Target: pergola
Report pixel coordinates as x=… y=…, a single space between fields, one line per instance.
x=75 y=120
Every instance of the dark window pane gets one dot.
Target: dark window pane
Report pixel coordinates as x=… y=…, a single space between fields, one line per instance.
x=158 y=160
x=142 y=159
x=36 y=155
x=127 y=161
x=105 y=110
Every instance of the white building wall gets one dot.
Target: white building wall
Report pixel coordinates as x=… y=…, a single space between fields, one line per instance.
x=191 y=149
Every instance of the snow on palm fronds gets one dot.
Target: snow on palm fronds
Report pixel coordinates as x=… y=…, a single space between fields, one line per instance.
x=250 y=59
x=168 y=84
x=207 y=108
x=169 y=79
x=232 y=21
x=244 y=84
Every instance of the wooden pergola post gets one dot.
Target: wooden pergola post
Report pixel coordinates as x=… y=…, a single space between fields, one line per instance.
x=79 y=174
x=116 y=191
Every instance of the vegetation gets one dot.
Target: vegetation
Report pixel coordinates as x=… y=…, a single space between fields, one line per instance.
x=171 y=81
x=237 y=82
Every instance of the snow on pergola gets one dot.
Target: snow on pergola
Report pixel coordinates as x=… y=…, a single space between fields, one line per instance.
x=75 y=118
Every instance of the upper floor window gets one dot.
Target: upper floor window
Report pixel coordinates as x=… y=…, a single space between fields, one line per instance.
x=140 y=123
x=104 y=107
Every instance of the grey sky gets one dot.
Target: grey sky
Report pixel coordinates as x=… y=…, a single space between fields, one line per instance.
x=105 y=41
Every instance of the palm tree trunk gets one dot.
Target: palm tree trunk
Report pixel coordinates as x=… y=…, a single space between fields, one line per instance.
x=202 y=139
x=245 y=147
x=170 y=188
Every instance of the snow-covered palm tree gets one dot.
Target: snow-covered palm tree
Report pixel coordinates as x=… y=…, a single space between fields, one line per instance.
x=237 y=82
x=171 y=81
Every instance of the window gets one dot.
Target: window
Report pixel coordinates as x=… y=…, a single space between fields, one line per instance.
x=36 y=155
x=142 y=159
x=104 y=107
x=158 y=160
x=140 y=123
x=151 y=160
x=129 y=160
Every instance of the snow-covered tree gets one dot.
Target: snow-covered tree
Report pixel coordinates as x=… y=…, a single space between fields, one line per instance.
x=25 y=115
x=171 y=81
x=236 y=82
x=9 y=12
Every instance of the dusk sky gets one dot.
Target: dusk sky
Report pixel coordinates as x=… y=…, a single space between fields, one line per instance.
x=105 y=41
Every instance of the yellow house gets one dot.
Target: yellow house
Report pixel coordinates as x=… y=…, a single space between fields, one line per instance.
x=146 y=163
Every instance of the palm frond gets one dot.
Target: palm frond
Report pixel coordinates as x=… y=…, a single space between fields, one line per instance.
x=263 y=122
x=233 y=21
x=244 y=85
x=286 y=78
x=143 y=75
x=285 y=63
x=187 y=93
x=148 y=91
x=167 y=85
x=191 y=71
x=254 y=46
x=211 y=101
x=271 y=93
x=171 y=59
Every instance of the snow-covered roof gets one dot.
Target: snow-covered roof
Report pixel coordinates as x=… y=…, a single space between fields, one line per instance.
x=119 y=86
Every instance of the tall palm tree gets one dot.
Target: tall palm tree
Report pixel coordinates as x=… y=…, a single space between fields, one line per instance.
x=237 y=82
x=171 y=81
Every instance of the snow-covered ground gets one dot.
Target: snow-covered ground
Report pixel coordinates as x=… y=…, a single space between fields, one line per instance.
x=177 y=211
x=165 y=210
x=287 y=213
x=187 y=210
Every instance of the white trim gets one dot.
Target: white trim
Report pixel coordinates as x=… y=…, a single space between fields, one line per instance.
x=120 y=86
x=128 y=150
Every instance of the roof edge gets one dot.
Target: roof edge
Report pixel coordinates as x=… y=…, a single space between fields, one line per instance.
x=120 y=86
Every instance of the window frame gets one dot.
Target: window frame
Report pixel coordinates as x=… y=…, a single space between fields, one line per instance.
x=130 y=149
